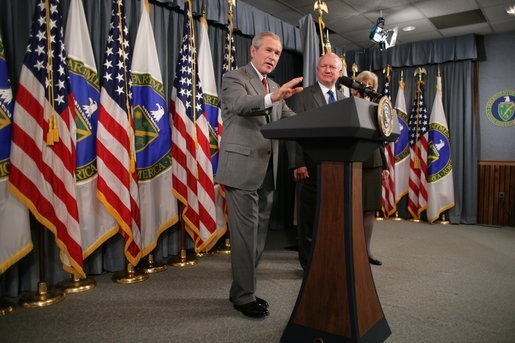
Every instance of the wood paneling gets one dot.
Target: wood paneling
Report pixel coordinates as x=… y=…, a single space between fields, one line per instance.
x=496 y=177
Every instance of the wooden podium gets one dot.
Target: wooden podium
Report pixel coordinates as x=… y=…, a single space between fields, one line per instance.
x=337 y=301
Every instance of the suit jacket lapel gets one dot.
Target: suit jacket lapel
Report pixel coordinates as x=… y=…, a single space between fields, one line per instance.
x=318 y=96
x=255 y=81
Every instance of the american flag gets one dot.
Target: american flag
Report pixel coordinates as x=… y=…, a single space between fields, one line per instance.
x=228 y=65
x=42 y=173
x=229 y=53
x=117 y=186
x=193 y=181
x=388 y=185
x=418 y=131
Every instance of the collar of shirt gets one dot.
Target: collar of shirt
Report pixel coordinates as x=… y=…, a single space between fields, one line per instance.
x=324 y=91
x=261 y=76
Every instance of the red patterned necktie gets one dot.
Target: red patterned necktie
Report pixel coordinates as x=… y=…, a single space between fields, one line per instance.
x=265 y=86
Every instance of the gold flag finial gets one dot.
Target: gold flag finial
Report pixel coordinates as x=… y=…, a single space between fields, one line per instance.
x=320 y=7
x=420 y=72
x=387 y=70
x=354 y=70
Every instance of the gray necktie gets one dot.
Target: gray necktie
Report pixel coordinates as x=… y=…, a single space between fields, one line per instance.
x=331 y=96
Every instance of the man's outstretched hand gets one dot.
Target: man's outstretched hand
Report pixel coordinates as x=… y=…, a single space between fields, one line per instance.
x=287 y=90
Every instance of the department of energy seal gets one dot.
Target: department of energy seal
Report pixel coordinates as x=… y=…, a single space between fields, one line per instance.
x=500 y=109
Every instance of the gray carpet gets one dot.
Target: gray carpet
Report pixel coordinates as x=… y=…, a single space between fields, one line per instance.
x=438 y=284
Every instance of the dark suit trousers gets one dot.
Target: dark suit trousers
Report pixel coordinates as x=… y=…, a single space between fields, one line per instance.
x=249 y=216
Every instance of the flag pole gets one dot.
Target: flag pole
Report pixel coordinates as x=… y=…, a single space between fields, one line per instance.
x=43 y=296
x=320 y=7
x=183 y=259
x=226 y=247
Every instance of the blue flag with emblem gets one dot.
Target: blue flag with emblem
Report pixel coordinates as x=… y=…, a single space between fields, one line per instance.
x=96 y=224
x=158 y=205
x=15 y=241
x=440 y=184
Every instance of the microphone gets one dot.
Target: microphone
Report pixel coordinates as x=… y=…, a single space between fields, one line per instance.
x=360 y=87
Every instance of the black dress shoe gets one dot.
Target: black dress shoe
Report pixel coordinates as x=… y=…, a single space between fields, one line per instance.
x=252 y=310
x=262 y=302
x=374 y=261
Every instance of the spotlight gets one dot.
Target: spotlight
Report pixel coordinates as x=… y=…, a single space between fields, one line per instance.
x=385 y=38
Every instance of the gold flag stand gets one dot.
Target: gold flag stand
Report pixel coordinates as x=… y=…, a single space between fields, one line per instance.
x=130 y=275
x=443 y=220
x=379 y=217
x=226 y=248
x=6 y=307
x=183 y=259
x=396 y=218
x=43 y=296
x=151 y=266
x=77 y=285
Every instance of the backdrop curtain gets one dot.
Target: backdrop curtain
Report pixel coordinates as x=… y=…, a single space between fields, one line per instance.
x=456 y=58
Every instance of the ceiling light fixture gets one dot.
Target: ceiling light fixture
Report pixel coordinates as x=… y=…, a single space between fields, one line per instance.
x=510 y=10
x=408 y=28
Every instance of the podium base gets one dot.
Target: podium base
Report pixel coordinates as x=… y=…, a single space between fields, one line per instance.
x=302 y=334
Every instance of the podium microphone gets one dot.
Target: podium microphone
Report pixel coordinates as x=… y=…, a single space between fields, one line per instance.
x=361 y=88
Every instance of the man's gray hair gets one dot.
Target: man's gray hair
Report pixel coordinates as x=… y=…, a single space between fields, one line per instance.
x=258 y=38
x=339 y=63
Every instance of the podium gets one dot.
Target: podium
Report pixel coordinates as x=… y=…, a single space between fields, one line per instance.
x=337 y=301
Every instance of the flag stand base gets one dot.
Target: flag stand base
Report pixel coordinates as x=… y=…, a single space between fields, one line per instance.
x=151 y=266
x=130 y=275
x=226 y=249
x=378 y=216
x=396 y=218
x=444 y=220
x=204 y=253
x=183 y=260
x=6 y=307
x=77 y=285
x=43 y=297
x=414 y=220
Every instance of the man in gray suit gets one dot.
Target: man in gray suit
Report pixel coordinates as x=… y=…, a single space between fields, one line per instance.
x=247 y=164
x=329 y=67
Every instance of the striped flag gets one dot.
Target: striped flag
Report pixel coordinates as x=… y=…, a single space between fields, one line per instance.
x=97 y=225
x=228 y=65
x=117 y=186
x=388 y=186
x=42 y=170
x=418 y=130
x=158 y=205
x=206 y=74
x=402 y=150
x=15 y=241
x=192 y=170
x=440 y=185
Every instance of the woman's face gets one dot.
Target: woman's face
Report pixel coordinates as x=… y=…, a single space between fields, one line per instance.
x=368 y=83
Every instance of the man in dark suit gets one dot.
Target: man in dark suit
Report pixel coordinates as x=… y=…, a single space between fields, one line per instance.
x=325 y=91
x=247 y=164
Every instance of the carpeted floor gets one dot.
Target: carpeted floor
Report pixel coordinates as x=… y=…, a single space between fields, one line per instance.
x=438 y=283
